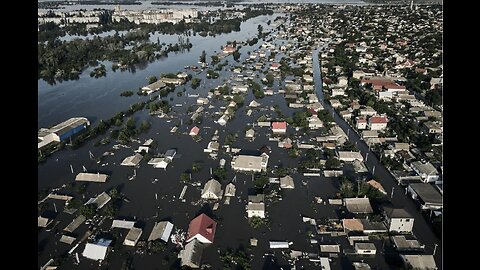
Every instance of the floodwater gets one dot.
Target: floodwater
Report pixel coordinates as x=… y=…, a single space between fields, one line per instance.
x=100 y=98
x=233 y=231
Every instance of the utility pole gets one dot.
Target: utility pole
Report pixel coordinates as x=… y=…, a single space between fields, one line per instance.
x=435 y=249
x=373 y=170
x=366 y=157
x=393 y=189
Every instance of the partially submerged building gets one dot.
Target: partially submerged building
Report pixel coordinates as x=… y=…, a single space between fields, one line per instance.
x=248 y=163
x=62 y=131
x=191 y=256
x=212 y=190
x=398 y=220
x=123 y=224
x=420 y=262
x=132 y=237
x=75 y=223
x=202 y=228
x=98 y=250
x=287 y=182
x=161 y=230
x=132 y=161
x=100 y=201
x=358 y=205
x=91 y=177
x=426 y=195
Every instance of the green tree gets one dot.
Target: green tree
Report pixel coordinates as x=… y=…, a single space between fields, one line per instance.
x=118 y=122
x=197 y=166
x=236 y=55
x=260 y=182
x=196 y=82
x=256 y=222
x=270 y=79
x=203 y=57
x=144 y=126
x=332 y=163
x=114 y=193
x=131 y=123
x=293 y=152
x=110 y=210
x=88 y=210
x=152 y=79
x=185 y=177
x=239 y=99
x=156 y=246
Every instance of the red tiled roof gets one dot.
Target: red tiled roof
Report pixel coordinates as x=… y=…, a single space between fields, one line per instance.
x=379 y=83
x=376 y=185
x=194 y=130
x=352 y=224
x=361 y=120
x=229 y=49
x=202 y=225
x=279 y=125
x=378 y=120
x=392 y=85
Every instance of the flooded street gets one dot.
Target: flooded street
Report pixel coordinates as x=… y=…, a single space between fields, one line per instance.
x=149 y=195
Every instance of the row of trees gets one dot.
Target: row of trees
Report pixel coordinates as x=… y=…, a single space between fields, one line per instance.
x=64 y=60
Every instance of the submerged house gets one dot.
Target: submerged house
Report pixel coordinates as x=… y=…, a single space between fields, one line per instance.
x=212 y=190
x=191 y=256
x=202 y=228
x=98 y=250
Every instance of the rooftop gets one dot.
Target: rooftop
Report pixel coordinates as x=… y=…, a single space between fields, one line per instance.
x=397 y=213
x=68 y=124
x=256 y=207
x=427 y=193
x=402 y=243
x=424 y=168
x=378 y=120
x=420 y=261
x=203 y=225
x=91 y=177
x=279 y=125
x=358 y=205
x=365 y=246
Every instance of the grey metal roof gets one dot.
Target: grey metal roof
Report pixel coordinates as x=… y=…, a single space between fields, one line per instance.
x=330 y=248
x=402 y=243
x=132 y=160
x=192 y=254
x=42 y=222
x=161 y=230
x=75 y=223
x=67 y=239
x=91 y=177
x=420 y=261
x=365 y=246
x=256 y=207
x=287 y=182
x=397 y=213
x=101 y=200
x=358 y=205
x=427 y=193
x=123 y=224
x=133 y=235
x=256 y=198
x=373 y=225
